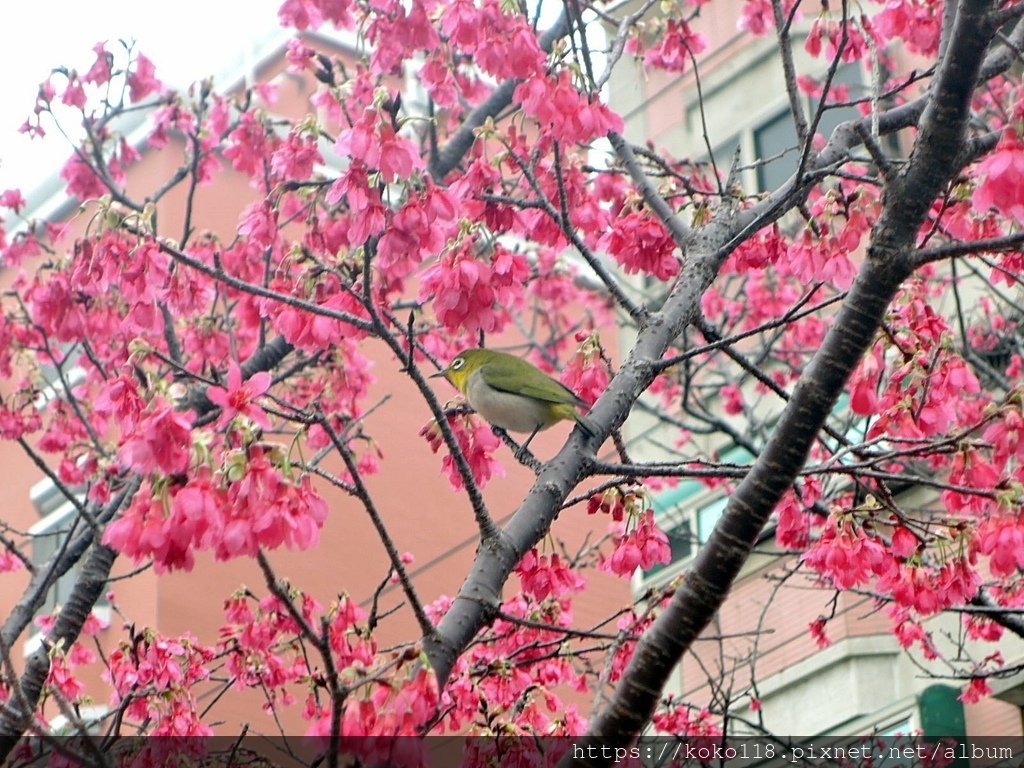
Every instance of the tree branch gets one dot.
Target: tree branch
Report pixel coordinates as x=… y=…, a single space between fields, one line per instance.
x=458 y=145
x=16 y=714
x=908 y=198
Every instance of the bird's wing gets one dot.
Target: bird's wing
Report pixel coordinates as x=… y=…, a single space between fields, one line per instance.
x=513 y=373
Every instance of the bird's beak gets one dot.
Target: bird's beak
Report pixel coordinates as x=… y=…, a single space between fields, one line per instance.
x=437 y=375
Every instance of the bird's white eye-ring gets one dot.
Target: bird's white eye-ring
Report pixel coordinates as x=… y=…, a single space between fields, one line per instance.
x=458 y=362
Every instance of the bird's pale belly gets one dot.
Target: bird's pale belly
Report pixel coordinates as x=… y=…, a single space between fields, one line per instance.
x=514 y=413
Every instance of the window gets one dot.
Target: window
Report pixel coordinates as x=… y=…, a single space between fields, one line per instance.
x=91 y=717
x=56 y=377
x=768 y=143
x=59 y=519
x=775 y=144
x=688 y=514
x=775 y=140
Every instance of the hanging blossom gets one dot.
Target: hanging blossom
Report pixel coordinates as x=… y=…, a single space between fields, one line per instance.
x=970 y=469
x=848 y=556
x=562 y=110
x=697 y=724
x=543 y=576
x=313 y=331
x=619 y=503
x=477 y=443
x=793 y=520
x=8 y=561
x=817 y=631
x=1002 y=178
x=420 y=228
x=471 y=293
x=640 y=243
x=917 y=22
x=13 y=199
x=239 y=398
x=933 y=390
x=82 y=180
x=156 y=675
x=397 y=30
x=367 y=213
x=399 y=707
x=926 y=590
x=910 y=633
x=266 y=509
x=586 y=373
x=249 y=145
x=1001 y=539
x=296 y=157
x=373 y=141
x=148 y=529
x=250 y=504
x=502 y=44
x=1006 y=435
x=813 y=258
x=642 y=547
x=142 y=79
x=61 y=678
x=757 y=17
x=674 y=47
x=828 y=34
x=161 y=442
x=975 y=691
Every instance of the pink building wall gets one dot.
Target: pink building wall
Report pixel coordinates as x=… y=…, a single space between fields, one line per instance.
x=424 y=515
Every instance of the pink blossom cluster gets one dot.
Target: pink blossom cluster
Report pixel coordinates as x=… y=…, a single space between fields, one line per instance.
x=543 y=576
x=675 y=46
x=563 y=112
x=248 y=505
x=472 y=292
x=477 y=443
x=640 y=243
x=587 y=372
x=156 y=677
x=638 y=544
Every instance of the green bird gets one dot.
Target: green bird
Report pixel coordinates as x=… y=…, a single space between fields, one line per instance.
x=513 y=394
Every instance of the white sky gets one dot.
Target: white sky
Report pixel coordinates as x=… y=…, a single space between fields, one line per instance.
x=186 y=40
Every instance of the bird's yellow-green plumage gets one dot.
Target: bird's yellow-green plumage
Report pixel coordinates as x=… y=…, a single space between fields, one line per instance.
x=512 y=393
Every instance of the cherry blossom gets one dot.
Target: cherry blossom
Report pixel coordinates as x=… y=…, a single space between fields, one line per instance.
x=643 y=546
x=1002 y=178
x=238 y=398
x=457 y=178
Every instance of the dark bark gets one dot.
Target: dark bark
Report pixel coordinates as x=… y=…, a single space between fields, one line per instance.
x=719 y=560
x=45 y=577
x=16 y=713
x=908 y=197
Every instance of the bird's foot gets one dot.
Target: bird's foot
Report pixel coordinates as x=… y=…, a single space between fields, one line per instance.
x=524 y=457
x=520 y=452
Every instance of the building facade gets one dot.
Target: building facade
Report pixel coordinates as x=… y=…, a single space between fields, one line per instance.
x=759 y=667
